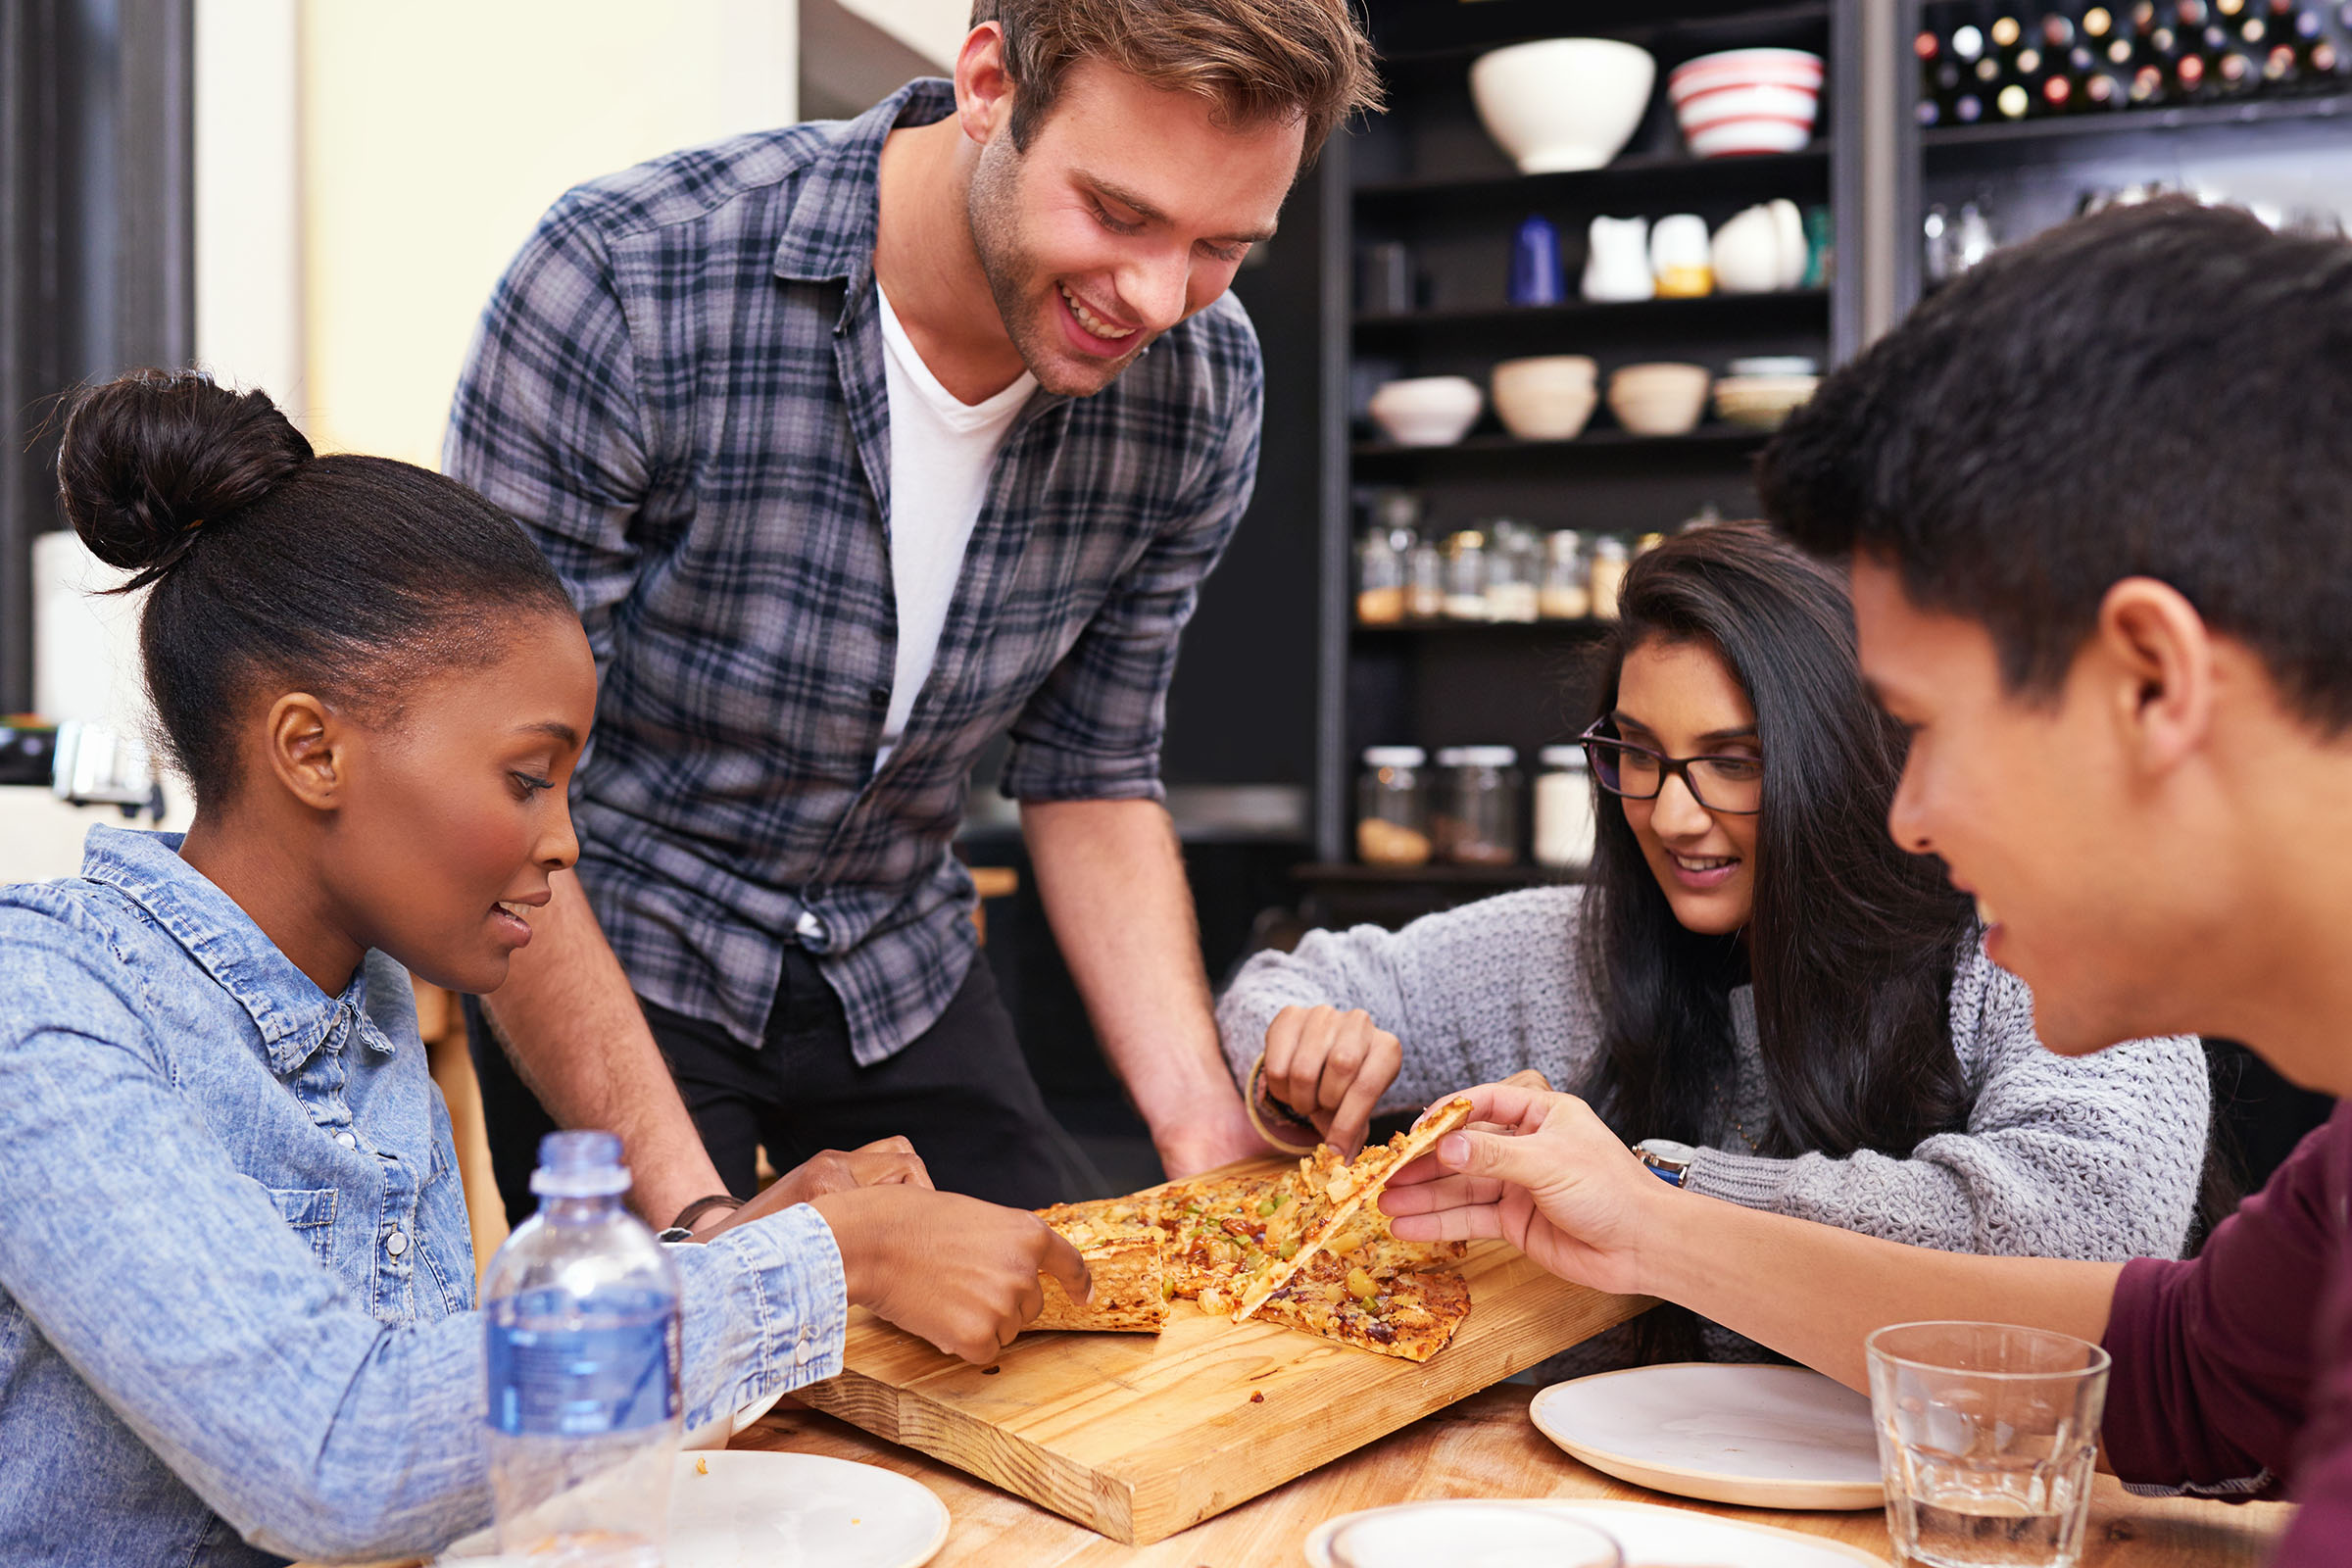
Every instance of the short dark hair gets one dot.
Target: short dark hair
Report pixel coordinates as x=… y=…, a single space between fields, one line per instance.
x=2163 y=390
x=347 y=576
x=1260 y=61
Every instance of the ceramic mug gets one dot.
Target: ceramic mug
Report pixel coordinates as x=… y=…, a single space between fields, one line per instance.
x=1678 y=256
x=1617 y=260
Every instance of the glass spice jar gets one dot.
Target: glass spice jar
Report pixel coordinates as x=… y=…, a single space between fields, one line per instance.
x=1514 y=572
x=1425 y=581
x=1565 y=595
x=1479 y=822
x=1565 y=824
x=1379 y=580
x=1466 y=576
x=1392 y=807
x=1607 y=577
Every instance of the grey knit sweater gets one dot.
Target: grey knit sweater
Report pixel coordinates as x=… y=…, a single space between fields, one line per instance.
x=2090 y=1157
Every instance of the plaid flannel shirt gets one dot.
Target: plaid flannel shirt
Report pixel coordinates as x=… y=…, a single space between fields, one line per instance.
x=679 y=389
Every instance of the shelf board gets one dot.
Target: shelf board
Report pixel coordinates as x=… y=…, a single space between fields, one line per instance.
x=1580 y=629
x=1732 y=439
x=1810 y=307
x=1806 y=169
x=2137 y=122
x=1530 y=19
x=1487 y=876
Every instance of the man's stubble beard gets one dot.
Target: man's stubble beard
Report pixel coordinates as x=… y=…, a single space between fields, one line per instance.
x=1013 y=270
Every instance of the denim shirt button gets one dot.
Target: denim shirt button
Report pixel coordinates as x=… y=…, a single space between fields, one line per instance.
x=397 y=1243
x=800 y=1353
x=347 y=1140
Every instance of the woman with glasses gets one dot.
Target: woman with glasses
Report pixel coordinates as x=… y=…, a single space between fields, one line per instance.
x=1757 y=989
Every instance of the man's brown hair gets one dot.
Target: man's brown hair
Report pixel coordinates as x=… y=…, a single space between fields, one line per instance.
x=1259 y=61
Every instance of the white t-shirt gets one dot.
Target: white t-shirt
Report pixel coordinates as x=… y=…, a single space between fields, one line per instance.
x=941 y=452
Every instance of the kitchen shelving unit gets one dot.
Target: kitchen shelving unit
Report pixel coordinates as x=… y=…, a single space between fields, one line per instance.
x=1425 y=175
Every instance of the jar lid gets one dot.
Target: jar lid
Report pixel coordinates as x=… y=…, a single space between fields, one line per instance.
x=1565 y=757
x=1451 y=755
x=1395 y=757
x=1489 y=757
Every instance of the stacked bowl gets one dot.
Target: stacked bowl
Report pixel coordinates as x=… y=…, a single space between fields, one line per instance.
x=1762 y=392
x=1746 y=101
x=1548 y=398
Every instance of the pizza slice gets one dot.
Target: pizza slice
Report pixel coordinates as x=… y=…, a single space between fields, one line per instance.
x=1216 y=1231
x=1125 y=1254
x=1407 y=1314
x=1332 y=1195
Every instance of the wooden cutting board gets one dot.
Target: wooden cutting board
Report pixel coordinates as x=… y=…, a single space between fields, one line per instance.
x=1138 y=1436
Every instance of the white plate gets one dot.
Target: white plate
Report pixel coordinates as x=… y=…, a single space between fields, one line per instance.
x=1764 y=1436
x=1651 y=1534
x=752 y=1509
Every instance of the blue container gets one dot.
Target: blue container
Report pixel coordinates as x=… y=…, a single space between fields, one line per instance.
x=1535 y=275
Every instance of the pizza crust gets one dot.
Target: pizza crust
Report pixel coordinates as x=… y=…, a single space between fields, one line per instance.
x=1124 y=1249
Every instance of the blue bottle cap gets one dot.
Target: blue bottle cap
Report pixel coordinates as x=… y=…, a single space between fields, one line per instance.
x=582 y=1164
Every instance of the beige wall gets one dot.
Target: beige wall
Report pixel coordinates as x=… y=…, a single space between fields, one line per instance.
x=431 y=137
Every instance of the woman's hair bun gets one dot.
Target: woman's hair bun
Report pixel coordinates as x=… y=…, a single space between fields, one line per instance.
x=151 y=459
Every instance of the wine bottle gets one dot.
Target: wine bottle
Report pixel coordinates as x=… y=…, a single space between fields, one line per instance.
x=2152 y=46
x=2192 y=66
x=1965 y=50
x=1932 y=66
x=2099 y=56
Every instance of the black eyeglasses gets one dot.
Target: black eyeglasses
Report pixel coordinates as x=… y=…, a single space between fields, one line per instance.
x=1731 y=785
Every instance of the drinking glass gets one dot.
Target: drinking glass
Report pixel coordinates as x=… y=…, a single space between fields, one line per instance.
x=1473 y=1535
x=1987 y=1437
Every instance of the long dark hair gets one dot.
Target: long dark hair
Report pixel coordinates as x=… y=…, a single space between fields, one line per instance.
x=1852 y=943
x=350 y=576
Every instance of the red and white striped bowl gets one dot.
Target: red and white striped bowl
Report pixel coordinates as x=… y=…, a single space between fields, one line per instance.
x=1793 y=68
x=1745 y=101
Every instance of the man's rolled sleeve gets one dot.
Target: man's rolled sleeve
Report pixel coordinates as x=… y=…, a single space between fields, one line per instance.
x=1093 y=731
x=765 y=1304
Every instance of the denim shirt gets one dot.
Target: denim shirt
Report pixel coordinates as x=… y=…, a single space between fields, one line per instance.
x=236 y=1285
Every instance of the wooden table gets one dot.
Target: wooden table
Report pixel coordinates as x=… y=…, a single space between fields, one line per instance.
x=1485 y=1447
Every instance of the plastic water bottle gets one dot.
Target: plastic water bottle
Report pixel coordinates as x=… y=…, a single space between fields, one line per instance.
x=582 y=1317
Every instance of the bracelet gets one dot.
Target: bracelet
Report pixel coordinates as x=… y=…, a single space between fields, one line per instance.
x=700 y=1207
x=1252 y=1095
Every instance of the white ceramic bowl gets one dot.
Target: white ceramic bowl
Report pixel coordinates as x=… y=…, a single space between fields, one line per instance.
x=1549 y=398
x=1763 y=402
x=1427 y=410
x=1659 y=399
x=1562 y=104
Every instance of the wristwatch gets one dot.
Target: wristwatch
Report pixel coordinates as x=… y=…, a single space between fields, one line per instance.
x=1667 y=1159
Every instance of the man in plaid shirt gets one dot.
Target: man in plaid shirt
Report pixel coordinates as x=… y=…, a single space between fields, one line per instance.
x=858 y=445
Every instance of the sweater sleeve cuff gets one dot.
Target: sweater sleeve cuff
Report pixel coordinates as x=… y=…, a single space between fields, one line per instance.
x=1752 y=1181
x=767 y=1307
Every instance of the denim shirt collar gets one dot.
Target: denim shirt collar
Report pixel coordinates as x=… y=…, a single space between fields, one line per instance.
x=294 y=1017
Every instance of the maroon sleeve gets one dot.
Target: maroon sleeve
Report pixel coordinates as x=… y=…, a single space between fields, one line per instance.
x=2216 y=1359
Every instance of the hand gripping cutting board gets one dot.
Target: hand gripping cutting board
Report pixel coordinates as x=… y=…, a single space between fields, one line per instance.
x=1141 y=1436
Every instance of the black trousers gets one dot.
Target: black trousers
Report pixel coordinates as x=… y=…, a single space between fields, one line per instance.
x=960 y=1090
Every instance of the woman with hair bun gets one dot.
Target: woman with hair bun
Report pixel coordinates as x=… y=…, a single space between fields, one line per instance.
x=236 y=1287
x=1755 y=986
